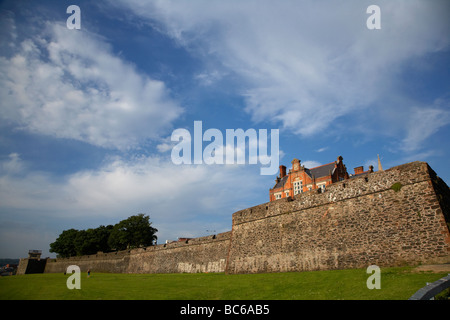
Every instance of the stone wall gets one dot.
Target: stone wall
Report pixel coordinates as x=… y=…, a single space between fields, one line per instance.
x=22 y=267
x=353 y=224
x=443 y=195
x=393 y=217
x=205 y=254
x=115 y=262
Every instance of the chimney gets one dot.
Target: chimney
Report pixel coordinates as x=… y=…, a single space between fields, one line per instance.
x=359 y=170
x=282 y=171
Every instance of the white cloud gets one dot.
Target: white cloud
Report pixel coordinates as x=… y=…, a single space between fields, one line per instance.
x=305 y=64
x=164 y=147
x=13 y=166
x=69 y=84
x=208 y=78
x=423 y=123
x=311 y=164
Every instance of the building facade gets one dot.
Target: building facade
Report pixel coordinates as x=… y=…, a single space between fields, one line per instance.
x=300 y=179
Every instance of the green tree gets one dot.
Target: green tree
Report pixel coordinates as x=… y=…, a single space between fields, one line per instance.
x=133 y=232
x=91 y=241
x=64 y=245
x=74 y=242
x=102 y=234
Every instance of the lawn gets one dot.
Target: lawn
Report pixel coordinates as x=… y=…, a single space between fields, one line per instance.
x=396 y=283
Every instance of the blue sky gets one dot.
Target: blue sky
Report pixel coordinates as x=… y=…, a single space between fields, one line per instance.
x=87 y=115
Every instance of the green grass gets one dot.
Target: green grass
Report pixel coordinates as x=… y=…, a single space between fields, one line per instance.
x=396 y=283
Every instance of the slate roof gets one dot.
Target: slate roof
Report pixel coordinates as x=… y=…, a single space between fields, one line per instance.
x=321 y=171
x=281 y=183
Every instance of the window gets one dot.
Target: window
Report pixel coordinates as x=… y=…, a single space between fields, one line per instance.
x=298 y=187
x=277 y=196
x=287 y=193
x=322 y=186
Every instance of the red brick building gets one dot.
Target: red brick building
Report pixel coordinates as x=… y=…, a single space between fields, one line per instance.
x=301 y=179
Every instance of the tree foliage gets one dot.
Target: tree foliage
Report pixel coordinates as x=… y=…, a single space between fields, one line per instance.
x=135 y=231
x=65 y=244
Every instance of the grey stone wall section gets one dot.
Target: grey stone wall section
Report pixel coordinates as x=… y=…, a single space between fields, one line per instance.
x=204 y=254
x=22 y=267
x=114 y=262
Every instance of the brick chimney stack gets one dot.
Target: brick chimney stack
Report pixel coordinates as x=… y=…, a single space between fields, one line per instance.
x=282 y=171
x=359 y=170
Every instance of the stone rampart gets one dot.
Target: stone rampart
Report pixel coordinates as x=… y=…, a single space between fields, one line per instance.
x=388 y=218
x=391 y=217
x=114 y=262
x=204 y=254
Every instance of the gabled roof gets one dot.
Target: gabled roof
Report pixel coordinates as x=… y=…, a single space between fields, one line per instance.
x=281 y=183
x=321 y=171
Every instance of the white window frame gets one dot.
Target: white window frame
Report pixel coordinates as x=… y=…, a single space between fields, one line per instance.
x=277 y=196
x=322 y=186
x=298 y=187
